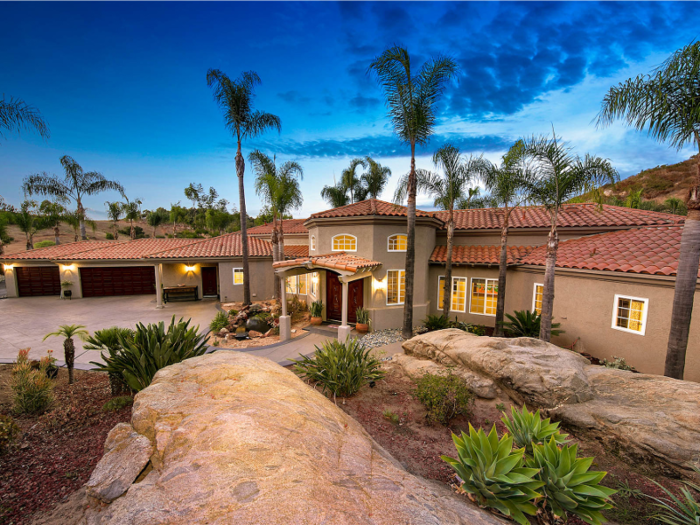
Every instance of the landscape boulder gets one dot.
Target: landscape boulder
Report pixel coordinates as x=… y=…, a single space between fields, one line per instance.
x=254 y=334
x=257 y=324
x=239 y=439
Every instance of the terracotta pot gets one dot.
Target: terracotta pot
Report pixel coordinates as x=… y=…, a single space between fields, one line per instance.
x=362 y=328
x=316 y=320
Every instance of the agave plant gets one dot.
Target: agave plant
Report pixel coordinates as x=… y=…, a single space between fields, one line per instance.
x=526 y=324
x=495 y=474
x=568 y=486
x=107 y=340
x=528 y=428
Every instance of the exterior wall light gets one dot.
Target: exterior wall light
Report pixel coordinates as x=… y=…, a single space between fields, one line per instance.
x=7 y=266
x=379 y=284
x=68 y=267
x=189 y=268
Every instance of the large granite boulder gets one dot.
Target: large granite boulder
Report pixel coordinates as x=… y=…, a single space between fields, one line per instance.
x=647 y=417
x=239 y=439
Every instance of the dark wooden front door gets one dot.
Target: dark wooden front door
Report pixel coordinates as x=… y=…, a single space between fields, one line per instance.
x=334 y=298
x=209 y=286
x=41 y=280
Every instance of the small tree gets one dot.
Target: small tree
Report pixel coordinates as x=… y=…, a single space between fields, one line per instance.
x=115 y=211
x=29 y=222
x=132 y=212
x=54 y=213
x=155 y=219
x=68 y=332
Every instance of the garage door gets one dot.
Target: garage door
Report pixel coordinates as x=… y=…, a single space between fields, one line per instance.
x=38 y=281
x=134 y=280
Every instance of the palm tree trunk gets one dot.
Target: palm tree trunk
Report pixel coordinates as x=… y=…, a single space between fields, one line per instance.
x=502 y=268
x=56 y=234
x=447 y=296
x=548 y=292
x=81 y=218
x=281 y=240
x=240 y=170
x=686 y=285
x=275 y=257
x=69 y=356
x=410 y=248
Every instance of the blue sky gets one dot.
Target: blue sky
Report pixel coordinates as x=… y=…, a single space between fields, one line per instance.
x=123 y=85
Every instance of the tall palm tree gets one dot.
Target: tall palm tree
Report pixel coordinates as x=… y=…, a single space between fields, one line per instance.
x=473 y=200
x=16 y=115
x=411 y=101
x=446 y=190
x=76 y=185
x=666 y=104
x=132 y=212
x=74 y=221
x=374 y=179
x=68 y=332
x=54 y=212
x=507 y=185
x=351 y=180
x=115 y=211
x=336 y=195
x=235 y=98
x=558 y=175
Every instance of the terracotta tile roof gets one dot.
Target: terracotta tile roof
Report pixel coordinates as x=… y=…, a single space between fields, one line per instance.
x=228 y=245
x=333 y=261
x=478 y=254
x=295 y=250
x=136 y=249
x=56 y=252
x=368 y=207
x=571 y=216
x=290 y=226
x=650 y=250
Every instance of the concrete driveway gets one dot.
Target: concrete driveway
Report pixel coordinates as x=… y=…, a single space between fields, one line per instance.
x=25 y=321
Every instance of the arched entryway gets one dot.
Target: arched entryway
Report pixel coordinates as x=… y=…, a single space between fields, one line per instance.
x=334 y=297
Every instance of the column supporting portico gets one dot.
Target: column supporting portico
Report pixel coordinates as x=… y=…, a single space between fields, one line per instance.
x=344 y=330
x=285 y=321
x=159 y=285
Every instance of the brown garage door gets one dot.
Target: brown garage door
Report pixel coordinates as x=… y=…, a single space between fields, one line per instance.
x=134 y=280
x=38 y=281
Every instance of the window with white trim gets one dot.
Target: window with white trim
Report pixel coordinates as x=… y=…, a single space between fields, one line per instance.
x=458 y=296
x=397 y=242
x=395 y=287
x=484 y=295
x=238 y=276
x=292 y=284
x=313 y=285
x=313 y=242
x=344 y=243
x=302 y=284
x=537 y=293
x=630 y=314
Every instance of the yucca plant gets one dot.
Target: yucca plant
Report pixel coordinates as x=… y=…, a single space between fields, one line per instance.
x=152 y=348
x=526 y=324
x=340 y=368
x=107 y=340
x=494 y=474
x=676 y=510
x=568 y=486
x=436 y=322
x=316 y=309
x=528 y=428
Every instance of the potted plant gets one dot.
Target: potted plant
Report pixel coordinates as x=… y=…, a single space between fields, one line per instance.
x=362 y=324
x=66 y=284
x=316 y=312
x=51 y=368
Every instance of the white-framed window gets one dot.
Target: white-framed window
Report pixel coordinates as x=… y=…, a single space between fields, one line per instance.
x=397 y=242
x=237 y=276
x=458 y=296
x=537 y=293
x=292 y=284
x=303 y=282
x=344 y=242
x=313 y=242
x=484 y=296
x=630 y=314
x=313 y=284
x=395 y=287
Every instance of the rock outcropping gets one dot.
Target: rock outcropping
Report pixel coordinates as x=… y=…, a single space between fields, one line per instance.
x=641 y=416
x=235 y=438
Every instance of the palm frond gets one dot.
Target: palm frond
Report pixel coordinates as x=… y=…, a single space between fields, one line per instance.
x=16 y=115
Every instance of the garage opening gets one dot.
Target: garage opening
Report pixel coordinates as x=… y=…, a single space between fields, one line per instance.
x=38 y=280
x=127 y=280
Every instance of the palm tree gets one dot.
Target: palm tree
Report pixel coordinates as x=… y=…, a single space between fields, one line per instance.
x=155 y=219
x=558 y=175
x=507 y=185
x=351 y=180
x=69 y=331
x=473 y=200
x=76 y=185
x=374 y=179
x=16 y=115
x=675 y=206
x=53 y=212
x=446 y=190
x=29 y=222
x=235 y=98
x=411 y=101
x=73 y=220
x=132 y=212
x=336 y=195
x=115 y=211
x=666 y=104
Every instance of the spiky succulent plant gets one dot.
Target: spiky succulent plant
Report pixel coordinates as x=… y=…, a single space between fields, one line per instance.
x=494 y=473
x=528 y=427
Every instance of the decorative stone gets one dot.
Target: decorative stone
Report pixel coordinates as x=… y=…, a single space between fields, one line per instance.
x=224 y=331
x=254 y=334
x=259 y=325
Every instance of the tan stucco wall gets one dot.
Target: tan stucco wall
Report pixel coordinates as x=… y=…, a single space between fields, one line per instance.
x=261 y=283
x=174 y=274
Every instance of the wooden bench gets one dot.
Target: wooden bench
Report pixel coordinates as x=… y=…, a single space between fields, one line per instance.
x=182 y=293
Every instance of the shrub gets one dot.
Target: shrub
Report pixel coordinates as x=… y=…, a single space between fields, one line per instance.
x=232 y=313
x=107 y=340
x=265 y=316
x=568 y=487
x=9 y=431
x=44 y=244
x=362 y=315
x=495 y=474
x=528 y=428
x=152 y=348
x=526 y=324
x=32 y=389
x=109 y=236
x=340 y=368
x=618 y=363
x=316 y=309
x=187 y=234
x=117 y=403
x=444 y=396
x=676 y=510
x=436 y=322
x=391 y=416
x=295 y=306
x=475 y=329
x=220 y=321
x=138 y=232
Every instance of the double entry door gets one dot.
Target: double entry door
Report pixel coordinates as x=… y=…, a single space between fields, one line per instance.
x=334 y=298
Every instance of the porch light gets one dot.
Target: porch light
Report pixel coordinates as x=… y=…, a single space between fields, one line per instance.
x=189 y=268
x=8 y=266
x=379 y=284
x=68 y=267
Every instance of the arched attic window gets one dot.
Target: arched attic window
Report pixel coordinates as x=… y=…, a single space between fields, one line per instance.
x=344 y=242
x=397 y=242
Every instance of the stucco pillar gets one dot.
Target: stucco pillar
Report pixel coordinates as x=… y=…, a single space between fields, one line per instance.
x=159 y=281
x=344 y=330
x=285 y=321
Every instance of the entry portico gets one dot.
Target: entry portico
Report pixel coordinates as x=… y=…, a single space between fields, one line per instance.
x=349 y=268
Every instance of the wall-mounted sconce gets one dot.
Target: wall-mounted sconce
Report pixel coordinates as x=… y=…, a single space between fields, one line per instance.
x=189 y=268
x=379 y=284
x=7 y=267
x=315 y=279
x=68 y=267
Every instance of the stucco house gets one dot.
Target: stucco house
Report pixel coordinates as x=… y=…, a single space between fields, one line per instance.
x=614 y=279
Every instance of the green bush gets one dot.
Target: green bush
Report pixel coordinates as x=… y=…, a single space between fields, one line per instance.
x=32 y=389
x=9 y=431
x=436 y=322
x=526 y=324
x=674 y=510
x=109 y=236
x=117 y=403
x=475 y=329
x=107 y=340
x=265 y=316
x=44 y=244
x=528 y=428
x=316 y=309
x=187 y=234
x=618 y=363
x=340 y=368
x=444 y=396
x=495 y=474
x=220 y=321
x=362 y=315
x=232 y=313
x=152 y=348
